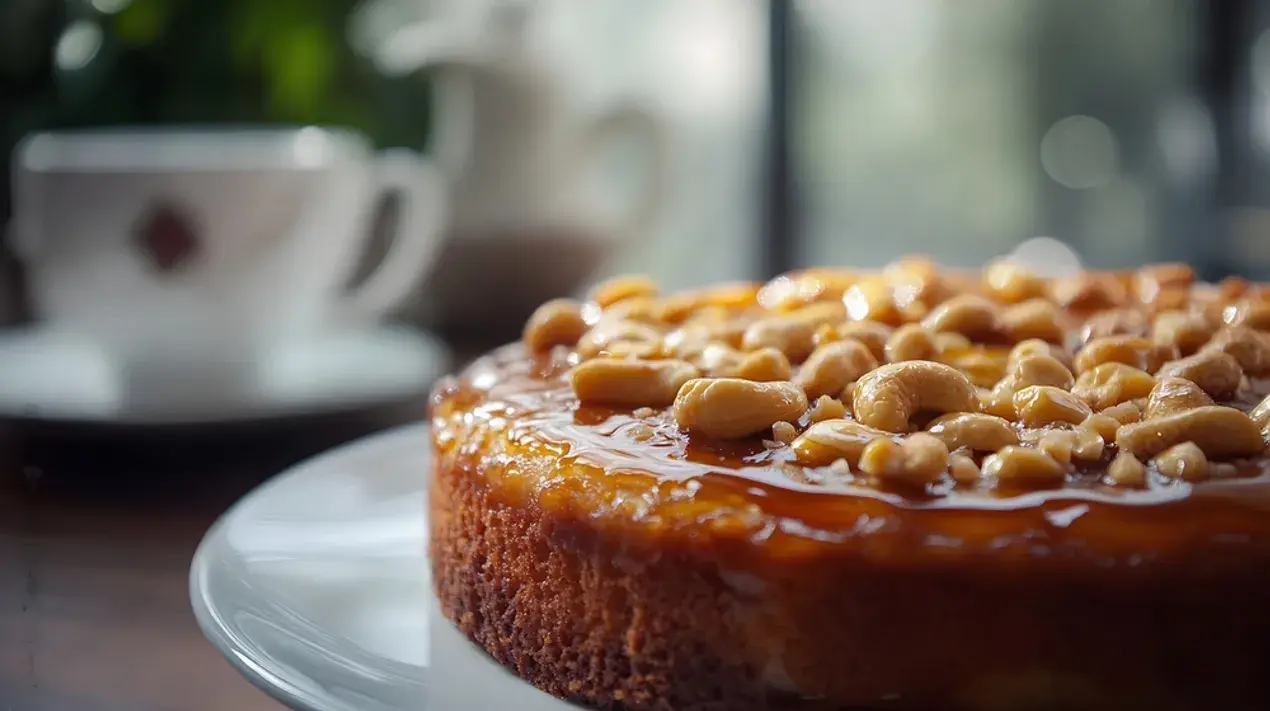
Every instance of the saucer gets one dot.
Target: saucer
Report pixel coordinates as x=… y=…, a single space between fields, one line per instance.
x=57 y=377
x=316 y=588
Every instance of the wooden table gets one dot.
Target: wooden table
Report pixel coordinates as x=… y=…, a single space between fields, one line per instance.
x=97 y=528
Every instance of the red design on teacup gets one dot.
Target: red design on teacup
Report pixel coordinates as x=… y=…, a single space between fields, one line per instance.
x=167 y=237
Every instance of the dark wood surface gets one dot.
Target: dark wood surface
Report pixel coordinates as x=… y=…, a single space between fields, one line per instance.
x=97 y=529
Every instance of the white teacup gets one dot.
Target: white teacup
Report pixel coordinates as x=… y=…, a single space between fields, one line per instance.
x=189 y=253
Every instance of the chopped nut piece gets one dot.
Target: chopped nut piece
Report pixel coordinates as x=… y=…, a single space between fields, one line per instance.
x=1089 y=444
x=784 y=432
x=1103 y=425
x=963 y=469
x=1023 y=467
x=925 y=458
x=826 y=441
x=731 y=408
x=1125 y=470
x=1110 y=384
x=1058 y=444
x=827 y=408
x=1041 y=405
x=883 y=459
x=1126 y=413
x=1183 y=461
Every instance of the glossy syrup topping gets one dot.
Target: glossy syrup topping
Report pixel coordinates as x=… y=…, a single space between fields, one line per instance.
x=825 y=401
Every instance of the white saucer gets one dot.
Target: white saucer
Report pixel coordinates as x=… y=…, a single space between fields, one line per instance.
x=50 y=376
x=316 y=587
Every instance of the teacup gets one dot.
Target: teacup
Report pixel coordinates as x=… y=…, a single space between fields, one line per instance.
x=188 y=253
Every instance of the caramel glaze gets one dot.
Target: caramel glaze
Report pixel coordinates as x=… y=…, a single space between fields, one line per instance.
x=513 y=418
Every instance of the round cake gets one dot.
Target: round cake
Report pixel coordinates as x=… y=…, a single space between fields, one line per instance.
x=914 y=488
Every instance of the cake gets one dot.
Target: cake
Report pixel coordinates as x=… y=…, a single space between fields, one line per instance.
x=914 y=488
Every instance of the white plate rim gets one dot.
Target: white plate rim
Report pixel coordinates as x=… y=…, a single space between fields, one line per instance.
x=220 y=633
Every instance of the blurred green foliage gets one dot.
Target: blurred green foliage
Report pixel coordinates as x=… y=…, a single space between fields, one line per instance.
x=196 y=62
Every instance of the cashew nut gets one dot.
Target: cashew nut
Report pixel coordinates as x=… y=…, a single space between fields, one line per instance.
x=1035 y=346
x=973 y=430
x=765 y=365
x=833 y=365
x=920 y=459
x=1130 y=350
x=1011 y=283
x=1221 y=432
x=619 y=381
x=1184 y=329
x=1251 y=348
x=967 y=314
x=1217 y=373
x=1028 y=370
x=872 y=299
x=1249 y=314
x=1110 y=384
x=558 y=322
x=1171 y=396
x=888 y=397
x=1183 y=461
x=719 y=361
x=1033 y=319
x=730 y=408
x=1024 y=467
x=1125 y=470
x=984 y=366
x=910 y=342
x=1261 y=414
x=622 y=287
x=1088 y=292
x=872 y=334
x=1042 y=405
x=604 y=338
x=1116 y=322
x=829 y=440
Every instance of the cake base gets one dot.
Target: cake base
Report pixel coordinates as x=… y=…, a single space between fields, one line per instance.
x=614 y=621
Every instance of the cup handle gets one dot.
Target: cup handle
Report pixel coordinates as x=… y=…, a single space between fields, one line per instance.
x=630 y=122
x=414 y=243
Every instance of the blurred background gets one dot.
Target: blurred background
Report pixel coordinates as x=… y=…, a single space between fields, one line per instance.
x=1133 y=130
x=232 y=248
